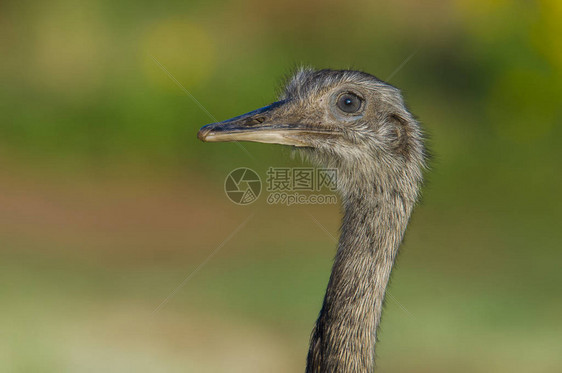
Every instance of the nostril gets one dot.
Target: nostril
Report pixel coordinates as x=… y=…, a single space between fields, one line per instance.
x=255 y=121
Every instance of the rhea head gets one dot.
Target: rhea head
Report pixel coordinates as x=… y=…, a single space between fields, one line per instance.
x=345 y=119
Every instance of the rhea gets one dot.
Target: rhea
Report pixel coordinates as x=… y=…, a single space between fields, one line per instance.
x=359 y=125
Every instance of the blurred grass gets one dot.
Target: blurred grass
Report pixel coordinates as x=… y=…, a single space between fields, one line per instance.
x=108 y=201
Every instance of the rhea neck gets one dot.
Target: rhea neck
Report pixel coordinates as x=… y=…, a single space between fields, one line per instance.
x=375 y=218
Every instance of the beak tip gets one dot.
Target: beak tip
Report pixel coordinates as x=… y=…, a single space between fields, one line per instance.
x=202 y=134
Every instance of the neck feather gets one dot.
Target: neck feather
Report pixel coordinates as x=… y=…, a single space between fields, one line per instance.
x=345 y=334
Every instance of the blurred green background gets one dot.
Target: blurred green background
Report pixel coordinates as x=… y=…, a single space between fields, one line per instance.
x=108 y=202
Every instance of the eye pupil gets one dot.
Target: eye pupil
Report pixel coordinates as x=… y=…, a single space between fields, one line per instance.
x=349 y=102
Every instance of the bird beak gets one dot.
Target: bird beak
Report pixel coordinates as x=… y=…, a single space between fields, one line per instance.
x=270 y=125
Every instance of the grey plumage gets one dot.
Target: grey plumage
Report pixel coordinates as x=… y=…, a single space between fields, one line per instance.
x=356 y=123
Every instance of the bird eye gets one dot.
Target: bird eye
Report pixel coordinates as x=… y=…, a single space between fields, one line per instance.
x=349 y=102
